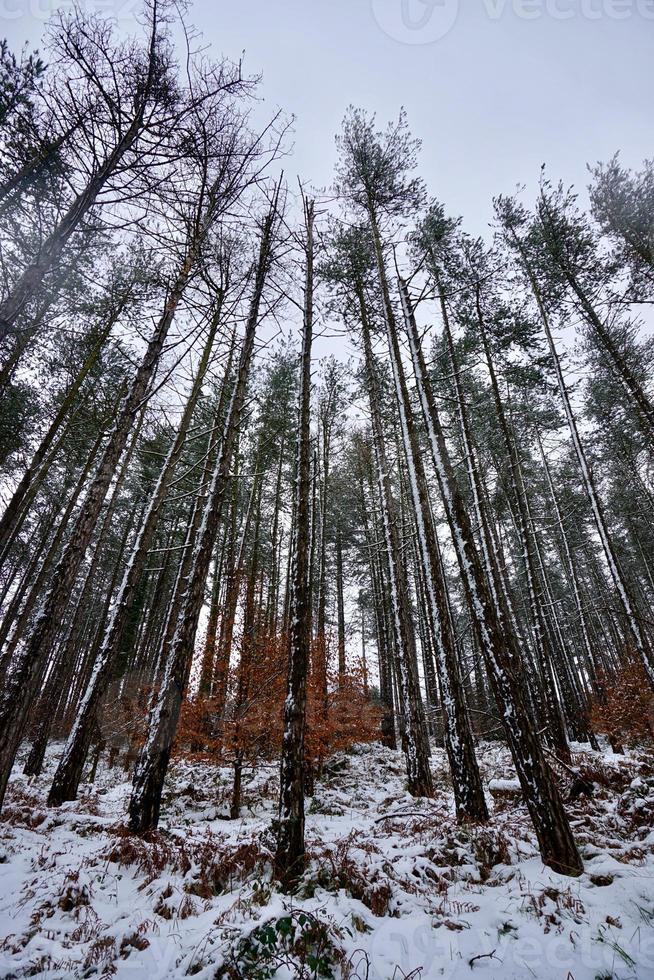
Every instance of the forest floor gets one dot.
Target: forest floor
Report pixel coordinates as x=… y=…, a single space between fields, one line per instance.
x=394 y=888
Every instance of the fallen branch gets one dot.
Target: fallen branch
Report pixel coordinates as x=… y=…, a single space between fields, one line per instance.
x=482 y=956
x=409 y=813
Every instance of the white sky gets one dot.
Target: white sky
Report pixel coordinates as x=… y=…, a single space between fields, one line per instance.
x=512 y=84
x=492 y=100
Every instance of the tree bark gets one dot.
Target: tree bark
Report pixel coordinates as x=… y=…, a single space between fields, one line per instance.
x=26 y=677
x=289 y=854
x=414 y=735
x=501 y=656
x=459 y=741
x=152 y=764
x=69 y=771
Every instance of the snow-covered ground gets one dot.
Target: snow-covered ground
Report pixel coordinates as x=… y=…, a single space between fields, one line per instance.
x=394 y=889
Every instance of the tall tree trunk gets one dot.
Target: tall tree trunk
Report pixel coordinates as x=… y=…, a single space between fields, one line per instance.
x=340 y=606
x=64 y=658
x=246 y=659
x=232 y=589
x=152 y=764
x=414 y=735
x=631 y=617
x=501 y=655
x=570 y=564
x=383 y=653
x=459 y=741
x=289 y=854
x=273 y=594
x=68 y=773
x=26 y=677
x=553 y=718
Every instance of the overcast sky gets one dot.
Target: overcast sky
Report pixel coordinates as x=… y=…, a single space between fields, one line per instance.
x=492 y=99
x=494 y=88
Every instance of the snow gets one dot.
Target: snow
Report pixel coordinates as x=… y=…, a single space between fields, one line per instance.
x=504 y=785
x=394 y=883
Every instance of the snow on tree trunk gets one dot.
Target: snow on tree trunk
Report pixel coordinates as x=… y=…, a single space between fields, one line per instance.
x=26 y=676
x=152 y=764
x=289 y=854
x=414 y=737
x=69 y=771
x=501 y=655
x=459 y=741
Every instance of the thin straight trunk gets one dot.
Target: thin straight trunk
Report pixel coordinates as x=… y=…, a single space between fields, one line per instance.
x=383 y=653
x=340 y=606
x=152 y=622
x=246 y=659
x=567 y=554
x=65 y=655
x=553 y=718
x=208 y=662
x=286 y=616
x=364 y=659
x=491 y=551
x=313 y=527
x=320 y=659
x=501 y=654
x=25 y=680
x=426 y=645
x=57 y=691
x=289 y=854
x=385 y=580
x=414 y=735
x=571 y=703
x=273 y=595
x=459 y=741
x=97 y=629
x=324 y=497
x=631 y=617
x=152 y=764
x=232 y=589
x=193 y=525
x=68 y=773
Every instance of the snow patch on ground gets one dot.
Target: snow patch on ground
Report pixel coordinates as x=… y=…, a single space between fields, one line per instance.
x=394 y=887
